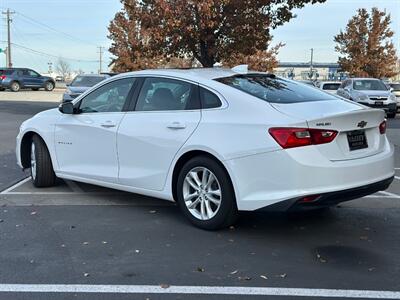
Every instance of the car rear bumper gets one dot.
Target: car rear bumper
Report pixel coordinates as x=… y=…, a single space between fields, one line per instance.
x=330 y=199
x=266 y=179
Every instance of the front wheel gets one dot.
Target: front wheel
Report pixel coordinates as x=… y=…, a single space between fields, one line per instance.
x=41 y=166
x=49 y=86
x=205 y=194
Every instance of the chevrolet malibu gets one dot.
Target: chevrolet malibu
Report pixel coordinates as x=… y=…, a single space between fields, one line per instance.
x=215 y=141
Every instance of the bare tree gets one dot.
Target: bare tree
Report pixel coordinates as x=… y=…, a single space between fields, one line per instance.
x=63 y=68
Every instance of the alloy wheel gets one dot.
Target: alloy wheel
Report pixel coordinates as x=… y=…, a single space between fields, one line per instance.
x=33 y=162
x=202 y=193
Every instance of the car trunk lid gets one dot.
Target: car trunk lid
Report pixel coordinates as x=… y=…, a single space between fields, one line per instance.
x=358 y=127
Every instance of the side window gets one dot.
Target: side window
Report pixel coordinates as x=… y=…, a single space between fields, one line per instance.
x=22 y=73
x=32 y=73
x=159 y=94
x=110 y=97
x=209 y=99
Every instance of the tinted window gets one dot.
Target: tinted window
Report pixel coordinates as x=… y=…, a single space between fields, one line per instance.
x=331 y=86
x=110 y=97
x=209 y=99
x=274 y=89
x=158 y=94
x=371 y=85
x=31 y=73
x=6 y=72
x=395 y=86
x=87 y=81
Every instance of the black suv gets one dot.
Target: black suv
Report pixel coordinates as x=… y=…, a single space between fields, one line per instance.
x=16 y=79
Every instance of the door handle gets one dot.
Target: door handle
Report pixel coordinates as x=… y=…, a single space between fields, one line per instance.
x=108 y=124
x=176 y=125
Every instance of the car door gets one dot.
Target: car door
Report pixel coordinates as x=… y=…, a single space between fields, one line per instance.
x=33 y=78
x=86 y=142
x=165 y=115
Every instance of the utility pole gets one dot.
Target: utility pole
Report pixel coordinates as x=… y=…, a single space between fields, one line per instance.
x=8 y=13
x=101 y=49
x=311 y=63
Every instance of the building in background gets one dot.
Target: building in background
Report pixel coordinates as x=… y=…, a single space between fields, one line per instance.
x=303 y=71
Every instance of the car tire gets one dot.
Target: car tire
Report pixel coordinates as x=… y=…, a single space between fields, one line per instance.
x=212 y=182
x=49 y=86
x=2 y=89
x=41 y=166
x=15 y=86
x=391 y=115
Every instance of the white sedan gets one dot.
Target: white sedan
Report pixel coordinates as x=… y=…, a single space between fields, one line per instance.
x=214 y=140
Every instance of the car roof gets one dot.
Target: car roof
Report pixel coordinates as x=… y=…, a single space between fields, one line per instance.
x=195 y=74
x=364 y=78
x=93 y=75
x=330 y=82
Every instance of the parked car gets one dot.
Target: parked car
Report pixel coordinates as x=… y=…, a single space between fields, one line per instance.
x=370 y=92
x=16 y=79
x=80 y=84
x=213 y=140
x=395 y=88
x=329 y=86
x=59 y=78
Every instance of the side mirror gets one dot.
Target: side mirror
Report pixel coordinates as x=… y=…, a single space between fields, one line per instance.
x=66 y=108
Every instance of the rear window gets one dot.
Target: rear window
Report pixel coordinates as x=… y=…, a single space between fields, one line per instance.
x=274 y=89
x=6 y=72
x=331 y=86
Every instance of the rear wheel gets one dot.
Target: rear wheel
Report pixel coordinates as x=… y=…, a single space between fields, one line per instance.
x=205 y=194
x=41 y=166
x=15 y=86
x=49 y=86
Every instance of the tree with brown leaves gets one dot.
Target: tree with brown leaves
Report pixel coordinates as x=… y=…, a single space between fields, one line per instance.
x=366 y=46
x=210 y=31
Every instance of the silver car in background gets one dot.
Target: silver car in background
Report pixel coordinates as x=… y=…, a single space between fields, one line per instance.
x=370 y=92
x=329 y=86
x=395 y=88
x=81 y=84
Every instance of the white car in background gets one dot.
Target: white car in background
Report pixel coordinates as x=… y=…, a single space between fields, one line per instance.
x=395 y=88
x=214 y=140
x=329 y=86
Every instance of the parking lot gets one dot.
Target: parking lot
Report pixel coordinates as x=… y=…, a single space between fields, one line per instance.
x=78 y=241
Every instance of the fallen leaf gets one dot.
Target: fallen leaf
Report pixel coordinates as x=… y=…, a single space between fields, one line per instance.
x=33 y=213
x=199 y=269
x=371 y=269
x=282 y=275
x=1 y=220
x=152 y=211
x=85 y=243
x=320 y=258
x=104 y=242
x=234 y=272
x=231 y=240
x=72 y=227
x=363 y=238
x=231 y=227
x=62 y=245
x=32 y=261
x=86 y=274
x=244 y=278
x=137 y=251
x=164 y=286
x=264 y=277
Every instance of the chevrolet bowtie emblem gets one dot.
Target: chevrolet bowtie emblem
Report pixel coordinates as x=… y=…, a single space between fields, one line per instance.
x=362 y=124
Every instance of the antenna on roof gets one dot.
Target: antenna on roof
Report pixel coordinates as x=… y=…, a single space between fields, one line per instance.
x=243 y=69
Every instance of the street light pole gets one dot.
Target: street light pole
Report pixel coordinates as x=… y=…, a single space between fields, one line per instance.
x=101 y=58
x=311 y=63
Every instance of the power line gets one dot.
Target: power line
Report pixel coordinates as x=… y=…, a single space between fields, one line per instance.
x=52 y=55
x=53 y=29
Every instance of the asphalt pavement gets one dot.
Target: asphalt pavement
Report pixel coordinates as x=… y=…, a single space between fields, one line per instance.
x=79 y=234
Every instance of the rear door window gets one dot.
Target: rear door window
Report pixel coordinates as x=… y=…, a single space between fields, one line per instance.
x=274 y=89
x=331 y=86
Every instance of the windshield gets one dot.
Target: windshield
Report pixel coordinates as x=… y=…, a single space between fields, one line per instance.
x=395 y=86
x=331 y=86
x=369 y=85
x=87 y=81
x=274 y=89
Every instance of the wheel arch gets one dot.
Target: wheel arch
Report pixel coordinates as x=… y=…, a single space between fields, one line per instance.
x=25 y=148
x=185 y=157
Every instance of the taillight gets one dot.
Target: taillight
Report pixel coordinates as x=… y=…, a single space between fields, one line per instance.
x=2 y=77
x=290 y=137
x=382 y=127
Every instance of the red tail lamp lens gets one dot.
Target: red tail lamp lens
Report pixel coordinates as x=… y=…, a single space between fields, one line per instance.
x=288 y=137
x=382 y=127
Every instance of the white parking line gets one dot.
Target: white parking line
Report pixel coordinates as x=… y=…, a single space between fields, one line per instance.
x=390 y=194
x=197 y=290
x=6 y=191
x=397 y=177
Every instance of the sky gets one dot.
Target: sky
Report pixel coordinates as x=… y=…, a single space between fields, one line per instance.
x=43 y=30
